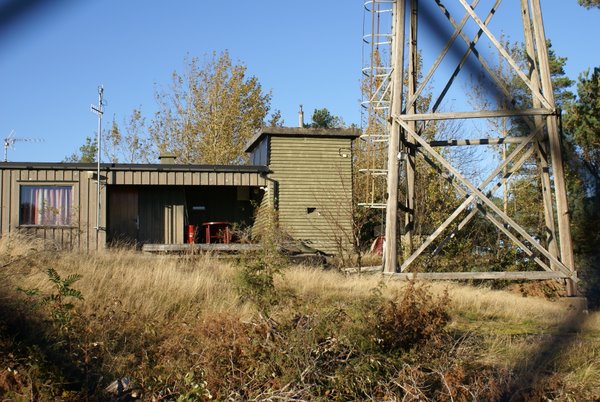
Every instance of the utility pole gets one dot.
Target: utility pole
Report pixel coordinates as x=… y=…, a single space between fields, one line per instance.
x=99 y=110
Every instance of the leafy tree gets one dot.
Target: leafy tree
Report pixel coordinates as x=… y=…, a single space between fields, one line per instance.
x=589 y=3
x=322 y=118
x=132 y=146
x=561 y=84
x=276 y=120
x=87 y=152
x=209 y=112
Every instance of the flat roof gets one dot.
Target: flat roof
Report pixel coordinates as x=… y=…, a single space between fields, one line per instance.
x=302 y=132
x=135 y=167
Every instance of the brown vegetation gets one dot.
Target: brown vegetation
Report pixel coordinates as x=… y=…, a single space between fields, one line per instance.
x=184 y=328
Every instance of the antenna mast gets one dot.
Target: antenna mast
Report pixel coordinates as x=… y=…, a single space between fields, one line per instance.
x=99 y=110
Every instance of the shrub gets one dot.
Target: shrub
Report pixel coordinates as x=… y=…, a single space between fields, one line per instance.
x=413 y=319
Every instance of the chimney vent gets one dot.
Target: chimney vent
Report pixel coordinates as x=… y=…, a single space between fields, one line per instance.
x=301 y=117
x=167 y=158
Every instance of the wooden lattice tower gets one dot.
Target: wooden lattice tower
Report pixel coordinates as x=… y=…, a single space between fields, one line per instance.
x=406 y=145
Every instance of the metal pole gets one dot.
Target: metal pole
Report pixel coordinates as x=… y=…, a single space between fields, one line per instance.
x=99 y=111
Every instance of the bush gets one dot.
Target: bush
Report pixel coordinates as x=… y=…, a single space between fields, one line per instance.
x=413 y=319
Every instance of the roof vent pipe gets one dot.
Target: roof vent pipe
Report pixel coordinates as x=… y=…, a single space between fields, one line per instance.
x=301 y=117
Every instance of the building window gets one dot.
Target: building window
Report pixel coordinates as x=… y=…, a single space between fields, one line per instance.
x=46 y=205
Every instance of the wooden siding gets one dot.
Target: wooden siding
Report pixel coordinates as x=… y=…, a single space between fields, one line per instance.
x=81 y=234
x=123 y=215
x=315 y=189
x=264 y=212
x=172 y=178
x=161 y=217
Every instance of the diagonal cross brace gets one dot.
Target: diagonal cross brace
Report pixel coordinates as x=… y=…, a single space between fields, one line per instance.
x=473 y=212
x=476 y=193
x=505 y=54
x=471 y=198
x=440 y=57
x=479 y=208
x=470 y=49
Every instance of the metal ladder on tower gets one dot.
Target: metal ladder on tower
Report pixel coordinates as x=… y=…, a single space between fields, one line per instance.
x=375 y=104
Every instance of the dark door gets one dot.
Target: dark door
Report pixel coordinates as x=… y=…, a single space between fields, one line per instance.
x=162 y=215
x=123 y=215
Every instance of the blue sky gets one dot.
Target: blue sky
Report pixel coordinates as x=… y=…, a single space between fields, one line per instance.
x=308 y=52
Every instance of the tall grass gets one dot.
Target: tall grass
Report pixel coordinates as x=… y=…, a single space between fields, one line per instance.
x=160 y=286
x=177 y=322
x=155 y=287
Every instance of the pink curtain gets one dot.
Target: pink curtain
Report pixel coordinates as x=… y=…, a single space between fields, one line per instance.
x=46 y=205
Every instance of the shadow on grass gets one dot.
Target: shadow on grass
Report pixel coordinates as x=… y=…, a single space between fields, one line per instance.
x=534 y=375
x=42 y=356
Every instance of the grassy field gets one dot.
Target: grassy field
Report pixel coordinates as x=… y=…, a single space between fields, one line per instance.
x=201 y=328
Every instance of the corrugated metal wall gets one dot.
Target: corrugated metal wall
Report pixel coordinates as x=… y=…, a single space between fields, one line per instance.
x=315 y=189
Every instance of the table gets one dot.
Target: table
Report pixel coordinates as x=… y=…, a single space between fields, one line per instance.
x=217 y=232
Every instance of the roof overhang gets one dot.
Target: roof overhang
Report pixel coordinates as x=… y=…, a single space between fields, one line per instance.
x=156 y=174
x=134 y=166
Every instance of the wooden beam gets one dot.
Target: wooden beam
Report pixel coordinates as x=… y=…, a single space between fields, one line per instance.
x=562 y=207
x=475 y=192
x=172 y=248
x=543 y=165
x=483 y=114
x=390 y=256
x=505 y=54
x=408 y=146
x=454 y=276
x=480 y=141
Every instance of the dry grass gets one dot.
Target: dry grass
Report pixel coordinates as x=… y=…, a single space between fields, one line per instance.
x=158 y=286
x=469 y=301
x=496 y=329
x=155 y=287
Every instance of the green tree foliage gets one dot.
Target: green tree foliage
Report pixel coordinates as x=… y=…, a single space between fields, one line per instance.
x=87 y=152
x=589 y=3
x=209 y=112
x=276 y=120
x=582 y=120
x=322 y=118
x=561 y=84
x=581 y=144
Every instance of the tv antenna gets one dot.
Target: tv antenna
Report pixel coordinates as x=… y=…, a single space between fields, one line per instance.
x=9 y=142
